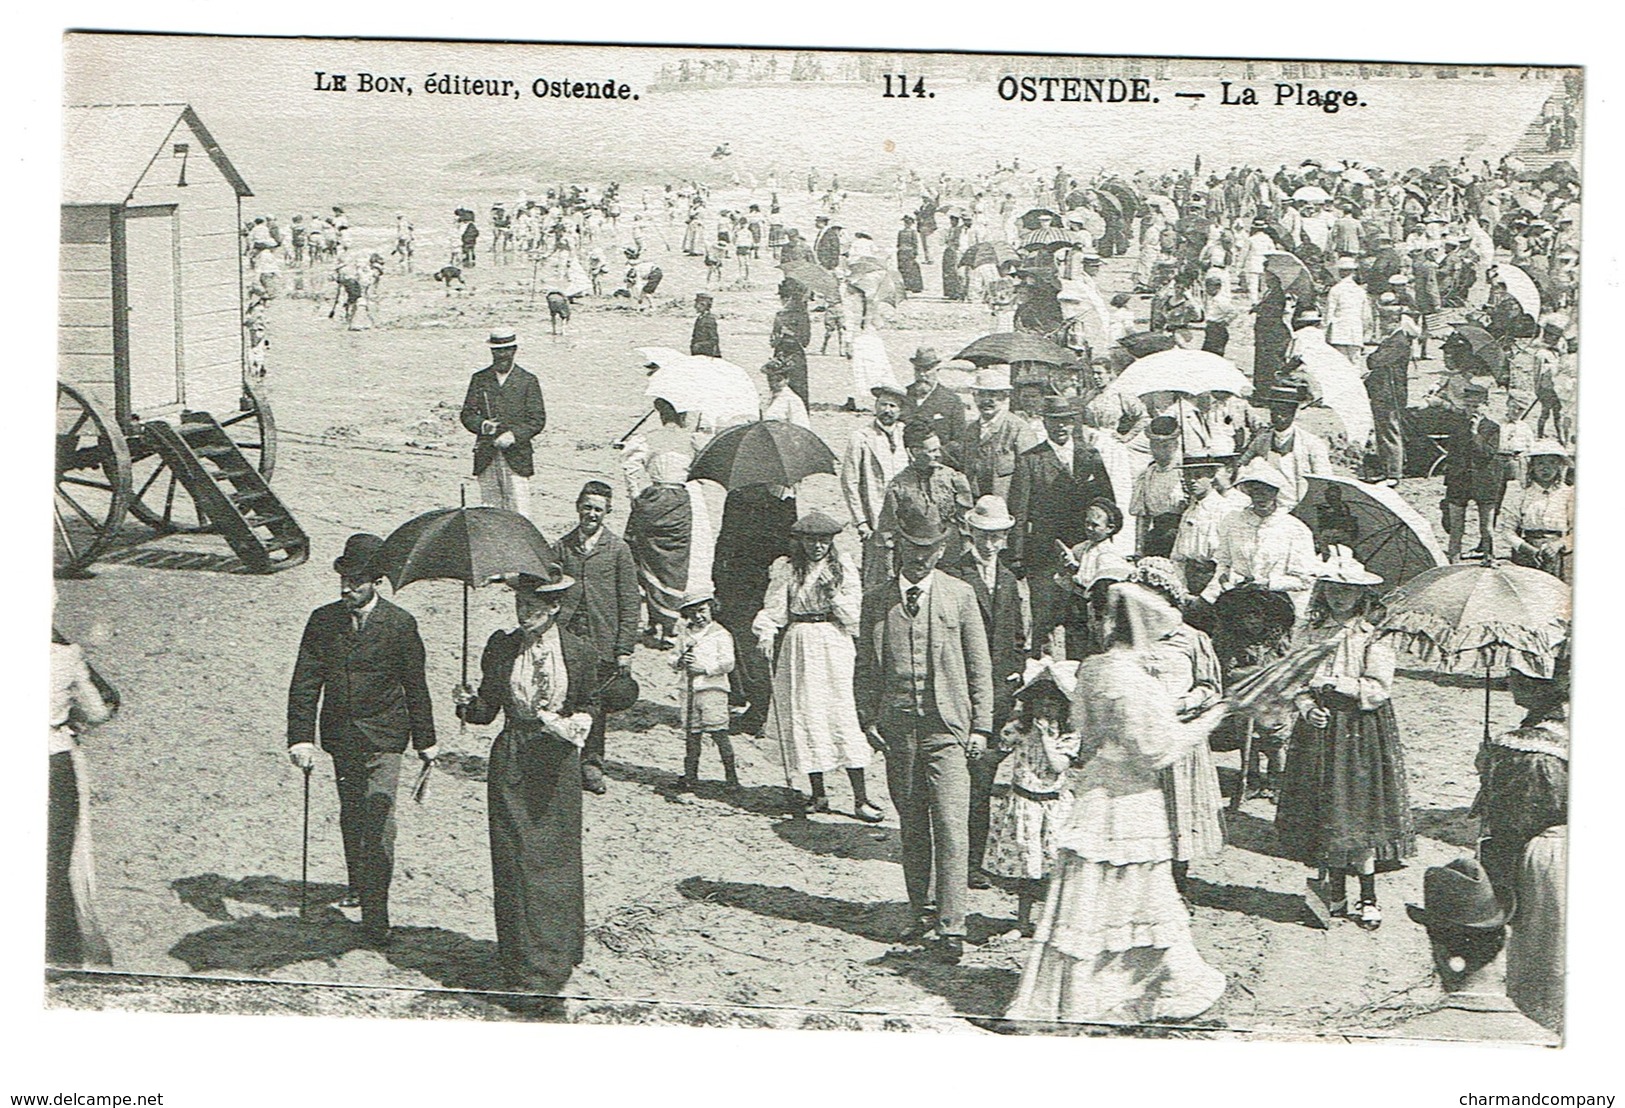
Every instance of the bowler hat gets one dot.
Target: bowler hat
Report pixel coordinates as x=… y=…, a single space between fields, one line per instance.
x=815 y=524
x=926 y=357
x=501 y=338
x=1458 y=895
x=990 y=514
x=1059 y=407
x=360 y=552
x=920 y=531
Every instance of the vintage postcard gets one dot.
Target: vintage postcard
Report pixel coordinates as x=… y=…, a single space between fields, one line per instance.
x=804 y=538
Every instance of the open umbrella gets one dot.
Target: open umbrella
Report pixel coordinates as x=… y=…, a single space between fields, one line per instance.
x=1295 y=276
x=1471 y=349
x=1079 y=197
x=1050 y=237
x=1311 y=194
x=1139 y=344
x=988 y=253
x=767 y=452
x=1032 y=219
x=1089 y=219
x=1335 y=383
x=812 y=277
x=1183 y=371
x=1390 y=537
x=1357 y=176
x=471 y=545
x=1521 y=286
x=1006 y=347
x=714 y=388
x=877 y=283
x=1127 y=195
x=1482 y=618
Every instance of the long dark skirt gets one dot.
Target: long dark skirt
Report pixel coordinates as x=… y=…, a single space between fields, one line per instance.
x=73 y=935
x=908 y=268
x=533 y=783
x=1343 y=791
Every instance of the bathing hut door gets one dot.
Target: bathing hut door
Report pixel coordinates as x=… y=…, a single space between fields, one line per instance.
x=152 y=308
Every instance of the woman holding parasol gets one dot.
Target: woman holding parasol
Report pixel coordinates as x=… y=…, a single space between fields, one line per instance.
x=539 y=676
x=1343 y=804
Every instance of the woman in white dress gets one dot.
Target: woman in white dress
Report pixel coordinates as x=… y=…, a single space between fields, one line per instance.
x=1114 y=941
x=815 y=597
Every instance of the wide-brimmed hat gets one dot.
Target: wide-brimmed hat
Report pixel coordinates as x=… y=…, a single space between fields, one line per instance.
x=360 y=552
x=1284 y=392
x=991 y=379
x=990 y=513
x=1163 y=428
x=1547 y=448
x=1458 y=895
x=1346 y=262
x=501 y=338
x=926 y=357
x=1260 y=472
x=1207 y=461
x=815 y=524
x=1341 y=567
x=552 y=579
x=886 y=388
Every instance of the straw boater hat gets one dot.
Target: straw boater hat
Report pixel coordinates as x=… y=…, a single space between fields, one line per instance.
x=360 y=552
x=694 y=598
x=990 y=514
x=991 y=379
x=1458 y=895
x=502 y=338
x=1341 y=567
x=816 y=525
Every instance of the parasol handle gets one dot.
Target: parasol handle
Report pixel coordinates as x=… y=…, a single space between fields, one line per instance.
x=634 y=428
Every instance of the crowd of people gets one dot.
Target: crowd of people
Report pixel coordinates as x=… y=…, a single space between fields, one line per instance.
x=1046 y=587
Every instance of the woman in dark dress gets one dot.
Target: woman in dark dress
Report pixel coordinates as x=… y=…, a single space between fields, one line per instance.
x=953 y=281
x=792 y=332
x=1271 y=335
x=908 y=257
x=539 y=676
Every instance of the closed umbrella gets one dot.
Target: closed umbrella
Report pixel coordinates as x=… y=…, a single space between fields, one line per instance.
x=714 y=388
x=767 y=452
x=814 y=278
x=1482 y=618
x=1390 y=537
x=1006 y=347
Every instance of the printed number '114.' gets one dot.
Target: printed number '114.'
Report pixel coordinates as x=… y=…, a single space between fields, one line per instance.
x=897 y=87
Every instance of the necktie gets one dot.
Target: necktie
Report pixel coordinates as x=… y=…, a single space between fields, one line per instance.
x=911 y=601
x=357 y=621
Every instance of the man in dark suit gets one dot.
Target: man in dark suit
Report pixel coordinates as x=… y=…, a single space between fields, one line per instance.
x=361 y=659
x=924 y=691
x=1000 y=602
x=929 y=401
x=704 y=342
x=1049 y=496
x=504 y=411
x=1475 y=471
x=1387 y=386
x=602 y=609
x=827 y=243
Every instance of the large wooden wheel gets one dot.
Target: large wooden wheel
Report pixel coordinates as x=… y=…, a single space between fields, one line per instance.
x=160 y=501
x=92 y=478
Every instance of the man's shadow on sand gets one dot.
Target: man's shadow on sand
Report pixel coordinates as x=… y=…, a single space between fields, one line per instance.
x=254 y=945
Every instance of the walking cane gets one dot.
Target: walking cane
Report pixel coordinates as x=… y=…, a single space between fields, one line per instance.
x=304 y=853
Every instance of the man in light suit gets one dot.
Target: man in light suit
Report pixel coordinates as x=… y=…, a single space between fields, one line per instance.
x=361 y=659
x=503 y=410
x=999 y=598
x=924 y=690
x=874 y=456
x=987 y=452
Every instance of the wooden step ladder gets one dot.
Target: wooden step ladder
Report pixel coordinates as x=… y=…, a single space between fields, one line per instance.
x=230 y=492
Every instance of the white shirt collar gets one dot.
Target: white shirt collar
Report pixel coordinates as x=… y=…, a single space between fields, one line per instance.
x=923 y=584
x=364 y=612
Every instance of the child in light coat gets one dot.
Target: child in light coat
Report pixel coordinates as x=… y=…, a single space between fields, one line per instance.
x=705 y=656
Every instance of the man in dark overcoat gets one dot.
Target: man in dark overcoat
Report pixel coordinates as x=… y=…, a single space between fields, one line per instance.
x=503 y=410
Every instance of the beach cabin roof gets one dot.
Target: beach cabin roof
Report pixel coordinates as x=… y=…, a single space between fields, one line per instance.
x=107 y=149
